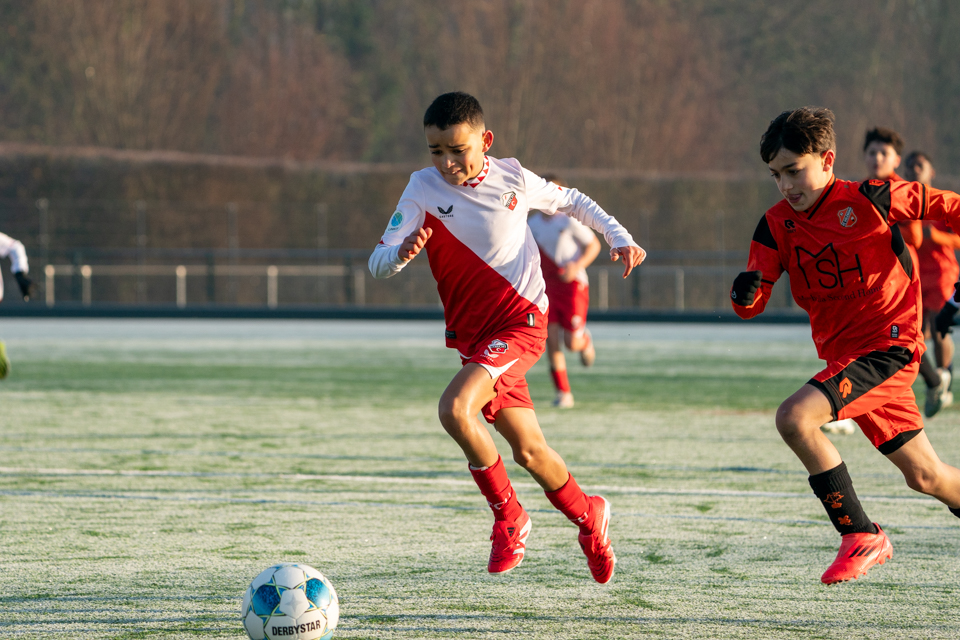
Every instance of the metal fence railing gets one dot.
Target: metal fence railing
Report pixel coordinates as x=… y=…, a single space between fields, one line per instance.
x=667 y=287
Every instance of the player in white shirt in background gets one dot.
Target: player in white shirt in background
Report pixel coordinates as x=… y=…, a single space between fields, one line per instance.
x=567 y=248
x=13 y=249
x=468 y=213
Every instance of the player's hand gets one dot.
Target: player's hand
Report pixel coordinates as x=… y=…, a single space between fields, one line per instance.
x=413 y=243
x=26 y=284
x=632 y=257
x=745 y=285
x=569 y=272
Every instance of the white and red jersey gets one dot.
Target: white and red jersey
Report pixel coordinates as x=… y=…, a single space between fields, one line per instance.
x=13 y=249
x=482 y=253
x=561 y=240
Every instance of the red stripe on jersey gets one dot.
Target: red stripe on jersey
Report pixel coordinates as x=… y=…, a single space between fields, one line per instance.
x=476 y=299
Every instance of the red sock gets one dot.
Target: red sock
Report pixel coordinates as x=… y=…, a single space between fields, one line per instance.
x=572 y=502
x=495 y=487
x=560 y=380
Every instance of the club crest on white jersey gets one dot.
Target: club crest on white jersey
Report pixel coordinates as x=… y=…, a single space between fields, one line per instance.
x=509 y=200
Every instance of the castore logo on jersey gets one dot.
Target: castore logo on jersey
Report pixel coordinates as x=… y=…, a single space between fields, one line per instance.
x=445 y=213
x=847 y=217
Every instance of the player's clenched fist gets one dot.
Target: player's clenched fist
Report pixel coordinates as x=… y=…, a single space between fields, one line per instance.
x=413 y=243
x=632 y=257
x=745 y=288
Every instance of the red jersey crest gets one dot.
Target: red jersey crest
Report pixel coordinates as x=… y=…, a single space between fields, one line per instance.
x=847 y=217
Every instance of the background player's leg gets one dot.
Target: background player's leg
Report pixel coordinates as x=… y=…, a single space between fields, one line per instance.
x=558 y=367
x=466 y=394
x=798 y=421
x=924 y=472
x=937 y=380
x=530 y=449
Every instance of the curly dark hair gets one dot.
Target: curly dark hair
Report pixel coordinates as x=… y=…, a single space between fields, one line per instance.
x=802 y=131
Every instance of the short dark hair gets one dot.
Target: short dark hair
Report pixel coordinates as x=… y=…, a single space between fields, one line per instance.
x=802 y=131
x=452 y=109
x=886 y=136
x=911 y=162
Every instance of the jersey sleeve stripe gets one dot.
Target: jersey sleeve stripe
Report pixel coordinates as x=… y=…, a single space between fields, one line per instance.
x=923 y=200
x=763 y=235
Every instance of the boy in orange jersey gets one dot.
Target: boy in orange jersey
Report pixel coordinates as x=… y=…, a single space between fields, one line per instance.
x=567 y=248
x=882 y=148
x=850 y=270
x=938 y=273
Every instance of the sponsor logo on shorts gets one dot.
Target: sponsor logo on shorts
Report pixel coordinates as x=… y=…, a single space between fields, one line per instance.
x=495 y=349
x=509 y=200
x=846 y=387
x=450 y=335
x=895 y=331
x=833 y=499
x=396 y=220
x=531 y=320
x=847 y=217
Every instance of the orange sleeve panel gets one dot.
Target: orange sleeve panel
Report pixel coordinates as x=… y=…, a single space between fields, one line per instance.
x=765 y=258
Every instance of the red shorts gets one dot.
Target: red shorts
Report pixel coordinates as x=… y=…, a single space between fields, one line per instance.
x=507 y=355
x=569 y=302
x=875 y=389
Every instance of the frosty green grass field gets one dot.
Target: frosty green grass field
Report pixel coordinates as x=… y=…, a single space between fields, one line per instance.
x=150 y=469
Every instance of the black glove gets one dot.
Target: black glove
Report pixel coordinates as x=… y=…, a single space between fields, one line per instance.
x=745 y=288
x=26 y=284
x=943 y=323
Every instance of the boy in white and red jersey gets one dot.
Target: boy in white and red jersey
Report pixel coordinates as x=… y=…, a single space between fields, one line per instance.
x=13 y=249
x=469 y=212
x=850 y=270
x=938 y=273
x=567 y=248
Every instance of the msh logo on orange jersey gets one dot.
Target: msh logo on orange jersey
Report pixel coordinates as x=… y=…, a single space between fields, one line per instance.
x=847 y=217
x=509 y=200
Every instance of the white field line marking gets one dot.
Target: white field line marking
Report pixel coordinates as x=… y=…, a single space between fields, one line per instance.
x=351 y=479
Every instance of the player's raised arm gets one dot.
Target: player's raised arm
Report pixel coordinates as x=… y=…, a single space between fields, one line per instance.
x=751 y=289
x=550 y=198
x=405 y=236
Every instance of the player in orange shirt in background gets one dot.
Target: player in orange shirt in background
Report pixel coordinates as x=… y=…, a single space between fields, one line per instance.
x=938 y=273
x=850 y=270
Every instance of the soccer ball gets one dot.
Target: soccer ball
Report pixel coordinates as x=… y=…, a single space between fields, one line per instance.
x=290 y=601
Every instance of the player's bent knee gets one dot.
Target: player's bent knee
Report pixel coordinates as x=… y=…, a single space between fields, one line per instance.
x=454 y=413
x=922 y=480
x=528 y=457
x=792 y=421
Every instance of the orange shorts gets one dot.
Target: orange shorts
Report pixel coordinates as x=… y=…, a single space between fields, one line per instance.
x=507 y=355
x=875 y=390
x=569 y=302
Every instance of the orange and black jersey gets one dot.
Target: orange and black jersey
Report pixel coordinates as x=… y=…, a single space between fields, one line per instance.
x=848 y=264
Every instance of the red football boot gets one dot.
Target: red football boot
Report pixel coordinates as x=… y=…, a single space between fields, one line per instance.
x=858 y=552
x=596 y=545
x=509 y=543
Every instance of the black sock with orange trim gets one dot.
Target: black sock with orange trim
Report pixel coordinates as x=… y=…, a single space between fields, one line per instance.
x=835 y=490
